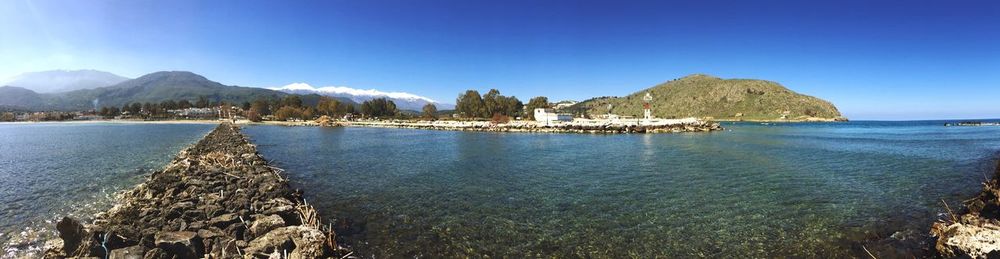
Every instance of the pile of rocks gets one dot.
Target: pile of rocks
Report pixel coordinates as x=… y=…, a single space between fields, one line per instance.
x=217 y=199
x=556 y=128
x=975 y=232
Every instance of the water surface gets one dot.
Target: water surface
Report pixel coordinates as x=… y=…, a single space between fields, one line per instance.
x=50 y=170
x=753 y=190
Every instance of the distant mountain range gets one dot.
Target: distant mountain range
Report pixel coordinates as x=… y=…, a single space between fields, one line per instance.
x=155 y=87
x=55 y=81
x=403 y=101
x=690 y=96
x=708 y=96
x=73 y=90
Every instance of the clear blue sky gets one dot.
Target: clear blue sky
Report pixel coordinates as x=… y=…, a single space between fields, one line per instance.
x=873 y=59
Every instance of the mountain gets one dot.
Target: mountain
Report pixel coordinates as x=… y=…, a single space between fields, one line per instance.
x=155 y=87
x=173 y=85
x=403 y=101
x=708 y=96
x=55 y=81
x=17 y=97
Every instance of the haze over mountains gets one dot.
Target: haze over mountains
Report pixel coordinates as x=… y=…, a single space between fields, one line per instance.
x=37 y=91
x=404 y=101
x=54 y=81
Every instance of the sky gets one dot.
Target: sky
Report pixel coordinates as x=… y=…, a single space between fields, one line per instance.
x=892 y=60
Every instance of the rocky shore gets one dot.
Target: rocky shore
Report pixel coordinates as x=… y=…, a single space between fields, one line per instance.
x=216 y=199
x=681 y=126
x=975 y=230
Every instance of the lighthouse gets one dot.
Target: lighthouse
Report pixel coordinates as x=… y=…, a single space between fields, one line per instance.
x=647 y=112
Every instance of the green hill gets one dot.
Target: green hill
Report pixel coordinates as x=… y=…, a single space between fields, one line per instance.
x=707 y=96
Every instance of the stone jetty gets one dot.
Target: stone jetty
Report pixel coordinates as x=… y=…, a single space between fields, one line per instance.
x=973 y=231
x=216 y=199
x=592 y=127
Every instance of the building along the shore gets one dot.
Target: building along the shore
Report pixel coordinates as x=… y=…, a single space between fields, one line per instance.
x=550 y=116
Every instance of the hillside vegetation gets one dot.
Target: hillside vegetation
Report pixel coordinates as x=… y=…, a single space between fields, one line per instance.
x=708 y=96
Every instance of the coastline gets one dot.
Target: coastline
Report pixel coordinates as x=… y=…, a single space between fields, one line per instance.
x=217 y=199
x=972 y=230
x=591 y=127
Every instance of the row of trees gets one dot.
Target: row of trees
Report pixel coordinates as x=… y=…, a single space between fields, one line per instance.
x=491 y=105
x=379 y=108
x=292 y=107
x=471 y=105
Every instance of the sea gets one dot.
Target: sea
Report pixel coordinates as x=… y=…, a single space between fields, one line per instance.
x=751 y=190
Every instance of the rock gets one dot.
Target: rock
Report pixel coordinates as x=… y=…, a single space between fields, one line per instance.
x=185 y=244
x=210 y=233
x=224 y=220
x=72 y=234
x=53 y=249
x=264 y=224
x=132 y=252
x=299 y=241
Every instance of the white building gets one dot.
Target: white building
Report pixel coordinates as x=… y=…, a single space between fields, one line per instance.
x=550 y=116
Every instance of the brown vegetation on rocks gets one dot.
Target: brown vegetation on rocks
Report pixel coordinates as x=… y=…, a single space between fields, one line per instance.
x=975 y=233
x=217 y=199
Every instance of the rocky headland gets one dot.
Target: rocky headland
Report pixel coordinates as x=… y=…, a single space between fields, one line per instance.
x=216 y=199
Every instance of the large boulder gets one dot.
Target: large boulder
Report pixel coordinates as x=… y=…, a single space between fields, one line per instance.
x=299 y=241
x=132 y=252
x=185 y=244
x=264 y=224
x=72 y=233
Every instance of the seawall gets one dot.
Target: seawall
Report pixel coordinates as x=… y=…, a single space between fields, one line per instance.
x=216 y=199
x=521 y=126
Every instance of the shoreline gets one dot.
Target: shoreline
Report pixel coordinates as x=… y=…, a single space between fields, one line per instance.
x=217 y=198
x=973 y=229
x=591 y=127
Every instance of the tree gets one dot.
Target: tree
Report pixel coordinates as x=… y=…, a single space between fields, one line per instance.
x=104 y=111
x=7 y=116
x=168 y=105
x=292 y=100
x=184 y=104
x=135 y=108
x=492 y=102
x=534 y=103
x=202 y=102
x=380 y=107
x=329 y=106
x=288 y=112
x=430 y=111
x=513 y=106
x=470 y=105
x=245 y=106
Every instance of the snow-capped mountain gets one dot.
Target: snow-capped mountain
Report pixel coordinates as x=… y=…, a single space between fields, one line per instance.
x=403 y=101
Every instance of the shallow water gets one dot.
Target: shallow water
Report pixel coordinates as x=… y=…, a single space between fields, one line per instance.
x=753 y=190
x=785 y=190
x=50 y=170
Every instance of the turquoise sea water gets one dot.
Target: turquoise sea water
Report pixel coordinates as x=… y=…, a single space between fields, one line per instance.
x=782 y=190
x=49 y=170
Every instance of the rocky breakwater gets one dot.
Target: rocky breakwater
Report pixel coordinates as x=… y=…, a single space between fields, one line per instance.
x=216 y=199
x=531 y=126
x=975 y=230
